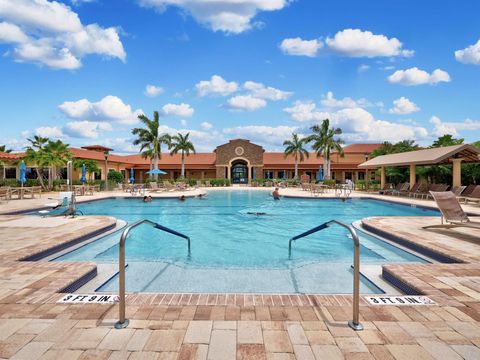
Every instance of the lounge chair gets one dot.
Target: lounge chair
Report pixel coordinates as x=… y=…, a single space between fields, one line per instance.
x=398 y=188
x=153 y=187
x=457 y=190
x=452 y=212
x=435 y=188
x=386 y=187
x=473 y=197
x=469 y=189
x=410 y=192
x=404 y=189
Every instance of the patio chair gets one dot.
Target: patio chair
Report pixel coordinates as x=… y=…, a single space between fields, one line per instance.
x=399 y=187
x=474 y=196
x=408 y=192
x=5 y=193
x=452 y=212
x=468 y=190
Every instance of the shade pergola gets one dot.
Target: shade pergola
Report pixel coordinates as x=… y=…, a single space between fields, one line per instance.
x=454 y=155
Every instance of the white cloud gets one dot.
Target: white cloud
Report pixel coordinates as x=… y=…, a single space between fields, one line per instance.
x=298 y=46
x=415 y=76
x=263 y=135
x=358 y=43
x=230 y=16
x=50 y=131
x=329 y=101
x=305 y=111
x=453 y=128
x=363 y=68
x=50 y=33
x=86 y=129
x=152 y=90
x=260 y=91
x=246 y=103
x=403 y=106
x=216 y=86
x=357 y=123
x=469 y=55
x=110 y=108
x=183 y=110
x=206 y=125
x=11 y=33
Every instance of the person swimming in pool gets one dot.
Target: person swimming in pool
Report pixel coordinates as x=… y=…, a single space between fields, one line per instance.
x=147 y=198
x=201 y=196
x=276 y=194
x=182 y=198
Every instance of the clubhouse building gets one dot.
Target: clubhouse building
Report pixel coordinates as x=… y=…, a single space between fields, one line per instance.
x=238 y=160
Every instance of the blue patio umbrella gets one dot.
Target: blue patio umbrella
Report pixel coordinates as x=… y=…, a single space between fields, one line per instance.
x=156 y=172
x=132 y=175
x=23 y=172
x=320 y=174
x=83 y=179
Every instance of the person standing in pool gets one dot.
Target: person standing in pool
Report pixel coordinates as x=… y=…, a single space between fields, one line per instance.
x=182 y=198
x=276 y=194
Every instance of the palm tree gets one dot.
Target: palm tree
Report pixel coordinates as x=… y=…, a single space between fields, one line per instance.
x=149 y=137
x=148 y=154
x=3 y=148
x=324 y=142
x=34 y=153
x=294 y=147
x=54 y=155
x=180 y=143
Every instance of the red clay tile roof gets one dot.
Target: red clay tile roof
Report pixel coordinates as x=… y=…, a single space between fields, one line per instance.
x=11 y=156
x=361 y=148
x=97 y=155
x=278 y=159
x=203 y=159
x=97 y=148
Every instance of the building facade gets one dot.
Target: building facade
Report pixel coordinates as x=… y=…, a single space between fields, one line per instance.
x=238 y=160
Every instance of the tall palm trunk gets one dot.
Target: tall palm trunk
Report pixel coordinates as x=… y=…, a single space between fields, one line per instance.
x=327 y=166
x=296 y=167
x=155 y=162
x=39 y=172
x=183 y=165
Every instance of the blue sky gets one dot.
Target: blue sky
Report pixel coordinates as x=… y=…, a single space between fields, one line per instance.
x=220 y=69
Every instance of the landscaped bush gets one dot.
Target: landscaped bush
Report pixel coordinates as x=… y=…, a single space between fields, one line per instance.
x=329 y=182
x=116 y=177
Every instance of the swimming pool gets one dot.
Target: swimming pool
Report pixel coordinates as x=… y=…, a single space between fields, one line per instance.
x=233 y=251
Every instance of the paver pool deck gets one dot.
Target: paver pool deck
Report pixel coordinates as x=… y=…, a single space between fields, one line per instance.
x=234 y=326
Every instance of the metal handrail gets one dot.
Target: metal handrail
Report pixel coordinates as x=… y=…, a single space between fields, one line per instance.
x=122 y=322
x=355 y=323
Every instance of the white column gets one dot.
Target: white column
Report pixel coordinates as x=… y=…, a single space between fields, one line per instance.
x=457 y=172
x=413 y=175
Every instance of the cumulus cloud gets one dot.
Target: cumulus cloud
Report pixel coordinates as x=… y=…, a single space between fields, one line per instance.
x=358 y=43
x=86 y=129
x=357 y=123
x=206 y=125
x=349 y=43
x=329 y=101
x=182 y=110
x=298 y=46
x=246 y=103
x=50 y=33
x=414 y=76
x=263 y=135
x=230 y=16
x=260 y=91
x=403 y=106
x=453 y=128
x=109 y=109
x=469 y=55
x=216 y=86
x=53 y=132
x=152 y=90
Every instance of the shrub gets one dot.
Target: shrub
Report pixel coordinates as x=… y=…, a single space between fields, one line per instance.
x=329 y=182
x=116 y=177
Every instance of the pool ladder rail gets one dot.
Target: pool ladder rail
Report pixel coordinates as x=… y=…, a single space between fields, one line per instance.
x=354 y=323
x=122 y=322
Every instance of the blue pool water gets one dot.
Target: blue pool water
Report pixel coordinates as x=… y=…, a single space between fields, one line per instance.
x=233 y=251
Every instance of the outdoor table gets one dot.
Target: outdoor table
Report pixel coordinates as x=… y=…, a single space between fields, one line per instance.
x=79 y=189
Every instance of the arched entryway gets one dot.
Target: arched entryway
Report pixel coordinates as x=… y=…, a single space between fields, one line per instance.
x=239 y=172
